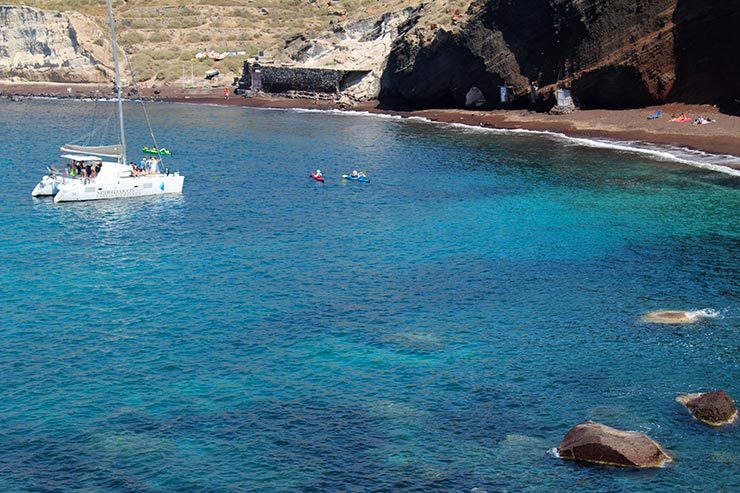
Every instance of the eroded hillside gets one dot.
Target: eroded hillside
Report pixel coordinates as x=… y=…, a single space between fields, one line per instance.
x=611 y=53
x=162 y=37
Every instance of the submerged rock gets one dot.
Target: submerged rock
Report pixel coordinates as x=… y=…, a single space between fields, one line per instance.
x=672 y=317
x=713 y=408
x=600 y=444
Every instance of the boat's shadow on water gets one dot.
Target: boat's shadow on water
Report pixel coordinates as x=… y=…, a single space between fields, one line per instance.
x=115 y=205
x=122 y=209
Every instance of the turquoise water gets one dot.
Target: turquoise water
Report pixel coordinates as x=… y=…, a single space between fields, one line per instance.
x=438 y=329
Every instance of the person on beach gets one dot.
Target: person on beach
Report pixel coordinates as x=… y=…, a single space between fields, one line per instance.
x=682 y=118
x=226 y=93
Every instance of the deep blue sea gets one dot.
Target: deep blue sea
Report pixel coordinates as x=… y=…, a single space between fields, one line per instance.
x=440 y=328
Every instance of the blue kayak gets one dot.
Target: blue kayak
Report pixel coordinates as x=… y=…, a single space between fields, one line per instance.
x=356 y=178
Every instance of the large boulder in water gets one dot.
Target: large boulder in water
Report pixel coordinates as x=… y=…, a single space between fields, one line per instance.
x=713 y=408
x=600 y=444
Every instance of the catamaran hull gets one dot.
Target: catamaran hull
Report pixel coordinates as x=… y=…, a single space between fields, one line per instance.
x=47 y=187
x=142 y=186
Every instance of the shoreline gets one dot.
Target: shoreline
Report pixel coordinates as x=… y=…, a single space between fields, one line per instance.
x=721 y=137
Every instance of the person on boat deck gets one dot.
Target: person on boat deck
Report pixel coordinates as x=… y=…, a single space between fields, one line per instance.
x=362 y=175
x=318 y=173
x=355 y=173
x=153 y=168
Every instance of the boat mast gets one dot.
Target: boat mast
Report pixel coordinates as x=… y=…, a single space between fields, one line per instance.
x=118 y=77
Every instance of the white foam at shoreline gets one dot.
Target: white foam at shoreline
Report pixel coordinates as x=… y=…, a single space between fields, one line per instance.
x=690 y=157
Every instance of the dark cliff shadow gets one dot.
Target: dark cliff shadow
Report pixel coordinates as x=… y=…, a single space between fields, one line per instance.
x=614 y=87
x=708 y=53
x=439 y=75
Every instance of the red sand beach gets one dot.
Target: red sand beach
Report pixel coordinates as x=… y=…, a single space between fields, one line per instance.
x=721 y=137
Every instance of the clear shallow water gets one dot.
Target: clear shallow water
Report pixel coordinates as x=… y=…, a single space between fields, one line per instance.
x=438 y=329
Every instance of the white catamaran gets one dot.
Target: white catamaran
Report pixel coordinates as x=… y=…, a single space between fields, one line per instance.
x=101 y=172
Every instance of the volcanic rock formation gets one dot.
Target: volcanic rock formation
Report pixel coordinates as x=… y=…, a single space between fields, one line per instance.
x=361 y=46
x=598 y=443
x=612 y=54
x=713 y=408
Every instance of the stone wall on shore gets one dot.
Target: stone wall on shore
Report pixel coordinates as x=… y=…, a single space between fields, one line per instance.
x=280 y=79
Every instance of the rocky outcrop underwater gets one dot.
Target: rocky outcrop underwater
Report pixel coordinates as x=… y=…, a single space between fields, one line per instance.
x=609 y=53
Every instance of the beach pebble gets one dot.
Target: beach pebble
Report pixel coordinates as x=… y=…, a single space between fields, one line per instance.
x=601 y=444
x=713 y=408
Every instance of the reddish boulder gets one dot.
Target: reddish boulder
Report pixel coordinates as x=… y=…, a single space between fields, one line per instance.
x=713 y=408
x=594 y=442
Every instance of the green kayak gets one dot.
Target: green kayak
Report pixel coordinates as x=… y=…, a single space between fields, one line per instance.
x=153 y=150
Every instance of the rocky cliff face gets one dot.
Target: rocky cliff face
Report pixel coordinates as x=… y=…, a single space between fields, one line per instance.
x=708 y=52
x=45 y=46
x=611 y=53
x=359 y=46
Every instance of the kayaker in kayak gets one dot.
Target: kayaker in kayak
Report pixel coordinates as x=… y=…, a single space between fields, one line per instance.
x=316 y=175
x=356 y=176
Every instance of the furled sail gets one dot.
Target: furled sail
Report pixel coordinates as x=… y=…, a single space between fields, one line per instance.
x=113 y=151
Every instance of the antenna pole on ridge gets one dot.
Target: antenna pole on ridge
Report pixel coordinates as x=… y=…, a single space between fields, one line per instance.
x=118 y=77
